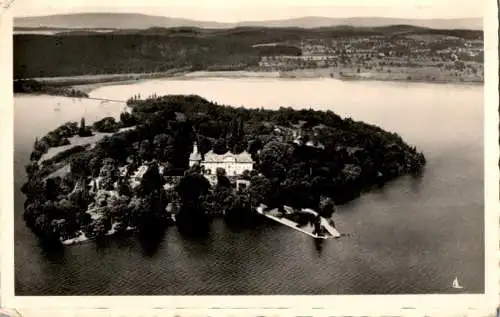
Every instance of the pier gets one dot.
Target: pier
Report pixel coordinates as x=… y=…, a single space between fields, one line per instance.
x=308 y=230
x=107 y=100
x=95 y=98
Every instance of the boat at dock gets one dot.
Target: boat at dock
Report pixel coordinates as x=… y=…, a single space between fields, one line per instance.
x=328 y=231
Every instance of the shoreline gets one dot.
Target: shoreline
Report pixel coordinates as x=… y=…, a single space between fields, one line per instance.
x=319 y=74
x=88 y=83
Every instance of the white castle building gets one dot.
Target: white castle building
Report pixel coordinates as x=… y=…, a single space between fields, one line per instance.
x=233 y=164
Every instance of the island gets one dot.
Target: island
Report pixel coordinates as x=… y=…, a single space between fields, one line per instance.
x=183 y=160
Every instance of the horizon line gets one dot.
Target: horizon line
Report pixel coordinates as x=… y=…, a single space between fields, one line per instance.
x=242 y=21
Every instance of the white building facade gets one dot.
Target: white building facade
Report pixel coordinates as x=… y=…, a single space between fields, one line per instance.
x=233 y=164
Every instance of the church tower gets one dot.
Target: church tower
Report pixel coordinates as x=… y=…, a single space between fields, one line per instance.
x=195 y=157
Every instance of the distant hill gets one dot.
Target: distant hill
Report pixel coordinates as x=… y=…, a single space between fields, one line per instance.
x=315 y=22
x=109 y=21
x=253 y=34
x=142 y=21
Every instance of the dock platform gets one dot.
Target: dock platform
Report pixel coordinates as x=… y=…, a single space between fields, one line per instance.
x=308 y=229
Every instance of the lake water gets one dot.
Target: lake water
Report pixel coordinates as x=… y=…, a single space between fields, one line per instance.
x=413 y=236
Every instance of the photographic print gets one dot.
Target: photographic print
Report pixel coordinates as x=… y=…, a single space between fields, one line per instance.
x=170 y=150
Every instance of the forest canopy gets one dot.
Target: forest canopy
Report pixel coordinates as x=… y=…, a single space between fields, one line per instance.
x=302 y=157
x=164 y=49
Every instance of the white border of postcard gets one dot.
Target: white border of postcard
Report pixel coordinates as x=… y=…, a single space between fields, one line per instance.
x=267 y=305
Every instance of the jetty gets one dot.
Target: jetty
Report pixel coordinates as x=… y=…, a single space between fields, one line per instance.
x=102 y=100
x=106 y=100
x=328 y=230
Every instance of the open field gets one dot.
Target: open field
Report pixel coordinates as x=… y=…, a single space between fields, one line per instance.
x=76 y=141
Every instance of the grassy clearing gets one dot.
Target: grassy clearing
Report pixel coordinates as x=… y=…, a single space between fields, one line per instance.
x=77 y=140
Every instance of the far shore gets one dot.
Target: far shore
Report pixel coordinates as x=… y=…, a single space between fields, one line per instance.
x=88 y=83
x=425 y=75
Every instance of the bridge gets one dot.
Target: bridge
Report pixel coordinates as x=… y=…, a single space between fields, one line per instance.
x=107 y=100
x=95 y=98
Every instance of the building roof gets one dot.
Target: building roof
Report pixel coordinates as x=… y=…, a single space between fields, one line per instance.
x=315 y=144
x=229 y=157
x=310 y=143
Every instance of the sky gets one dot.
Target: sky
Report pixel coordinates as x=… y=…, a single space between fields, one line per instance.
x=257 y=10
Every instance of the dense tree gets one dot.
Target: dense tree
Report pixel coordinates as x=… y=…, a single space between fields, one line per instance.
x=236 y=136
x=151 y=180
x=109 y=174
x=43 y=227
x=222 y=179
x=326 y=208
x=274 y=158
x=220 y=146
x=223 y=198
x=254 y=146
x=192 y=186
x=164 y=146
x=107 y=124
x=124 y=188
x=112 y=147
x=145 y=152
x=204 y=144
x=241 y=203
x=80 y=198
x=51 y=191
x=119 y=212
x=32 y=168
x=95 y=165
x=101 y=226
x=80 y=165
x=83 y=130
x=246 y=175
x=127 y=119
x=156 y=215
x=260 y=186
x=355 y=157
